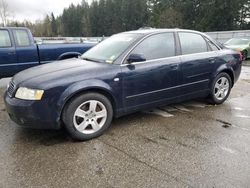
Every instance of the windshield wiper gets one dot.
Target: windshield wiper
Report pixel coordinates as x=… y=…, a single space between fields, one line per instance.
x=90 y=59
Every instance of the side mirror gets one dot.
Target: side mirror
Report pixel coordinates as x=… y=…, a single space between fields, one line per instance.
x=136 y=58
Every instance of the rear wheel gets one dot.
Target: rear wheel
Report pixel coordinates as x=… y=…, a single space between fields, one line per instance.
x=221 y=88
x=87 y=116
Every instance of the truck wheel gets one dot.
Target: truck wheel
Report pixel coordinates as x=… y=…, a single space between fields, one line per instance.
x=87 y=116
x=221 y=88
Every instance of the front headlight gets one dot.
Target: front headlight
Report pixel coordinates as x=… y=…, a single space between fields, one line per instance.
x=29 y=94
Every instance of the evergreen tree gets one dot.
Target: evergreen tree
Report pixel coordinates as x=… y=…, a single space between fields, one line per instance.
x=106 y=17
x=53 y=25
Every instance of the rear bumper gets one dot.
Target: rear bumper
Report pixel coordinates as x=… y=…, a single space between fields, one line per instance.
x=30 y=114
x=237 y=71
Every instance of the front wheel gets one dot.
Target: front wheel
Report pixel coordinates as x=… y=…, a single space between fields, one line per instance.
x=87 y=116
x=221 y=88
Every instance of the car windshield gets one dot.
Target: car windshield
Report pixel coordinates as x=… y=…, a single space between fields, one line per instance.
x=238 y=42
x=110 y=49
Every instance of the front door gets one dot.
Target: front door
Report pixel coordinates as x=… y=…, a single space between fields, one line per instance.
x=26 y=49
x=8 y=58
x=155 y=79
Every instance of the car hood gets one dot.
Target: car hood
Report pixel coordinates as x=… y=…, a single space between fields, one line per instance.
x=66 y=71
x=236 y=47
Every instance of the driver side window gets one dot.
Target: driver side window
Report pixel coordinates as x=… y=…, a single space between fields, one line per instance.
x=156 y=46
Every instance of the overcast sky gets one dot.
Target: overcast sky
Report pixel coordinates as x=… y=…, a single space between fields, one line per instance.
x=37 y=9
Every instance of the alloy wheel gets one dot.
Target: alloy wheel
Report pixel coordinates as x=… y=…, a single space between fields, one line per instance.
x=90 y=117
x=221 y=88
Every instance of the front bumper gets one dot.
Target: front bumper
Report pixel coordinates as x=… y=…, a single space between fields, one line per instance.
x=31 y=114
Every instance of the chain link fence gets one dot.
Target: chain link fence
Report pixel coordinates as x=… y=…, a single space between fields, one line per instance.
x=221 y=36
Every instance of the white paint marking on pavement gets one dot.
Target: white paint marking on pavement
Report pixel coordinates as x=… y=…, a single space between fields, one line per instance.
x=244 y=129
x=238 y=108
x=228 y=150
x=169 y=109
x=159 y=112
x=243 y=116
x=195 y=104
x=181 y=108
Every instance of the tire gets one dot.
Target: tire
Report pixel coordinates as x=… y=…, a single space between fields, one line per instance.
x=87 y=116
x=244 y=55
x=221 y=88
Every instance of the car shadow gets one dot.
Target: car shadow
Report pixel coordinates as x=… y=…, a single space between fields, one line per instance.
x=43 y=137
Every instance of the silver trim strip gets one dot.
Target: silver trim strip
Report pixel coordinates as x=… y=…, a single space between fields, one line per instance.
x=156 y=91
x=166 y=58
x=153 y=60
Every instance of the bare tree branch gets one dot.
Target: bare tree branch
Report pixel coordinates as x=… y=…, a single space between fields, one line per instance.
x=4 y=12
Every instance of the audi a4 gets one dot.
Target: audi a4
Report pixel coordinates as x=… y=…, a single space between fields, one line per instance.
x=128 y=72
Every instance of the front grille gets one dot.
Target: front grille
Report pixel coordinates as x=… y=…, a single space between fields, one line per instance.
x=11 y=89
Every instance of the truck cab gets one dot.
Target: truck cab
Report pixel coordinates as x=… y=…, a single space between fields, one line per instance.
x=19 y=51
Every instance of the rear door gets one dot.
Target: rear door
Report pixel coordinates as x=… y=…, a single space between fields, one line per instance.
x=26 y=49
x=198 y=62
x=8 y=58
x=155 y=79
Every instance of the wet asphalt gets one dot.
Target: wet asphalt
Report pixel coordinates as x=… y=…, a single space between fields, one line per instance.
x=190 y=144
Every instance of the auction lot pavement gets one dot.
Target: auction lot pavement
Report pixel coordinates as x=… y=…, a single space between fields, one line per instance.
x=191 y=144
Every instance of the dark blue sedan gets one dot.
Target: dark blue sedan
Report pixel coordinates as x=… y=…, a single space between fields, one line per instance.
x=127 y=72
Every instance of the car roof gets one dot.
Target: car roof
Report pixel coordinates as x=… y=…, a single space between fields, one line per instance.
x=152 y=31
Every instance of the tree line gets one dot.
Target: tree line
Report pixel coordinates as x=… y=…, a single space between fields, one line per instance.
x=106 y=17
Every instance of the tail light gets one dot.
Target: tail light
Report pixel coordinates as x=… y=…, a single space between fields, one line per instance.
x=241 y=56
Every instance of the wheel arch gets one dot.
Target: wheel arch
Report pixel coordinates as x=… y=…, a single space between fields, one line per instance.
x=68 y=55
x=227 y=70
x=71 y=93
x=230 y=73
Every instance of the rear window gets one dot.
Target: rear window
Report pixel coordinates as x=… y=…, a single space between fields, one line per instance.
x=22 y=37
x=4 y=39
x=192 y=43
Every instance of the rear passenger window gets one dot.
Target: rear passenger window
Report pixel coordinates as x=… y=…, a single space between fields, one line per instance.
x=4 y=39
x=192 y=43
x=212 y=46
x=22 y=37
x=157 y=46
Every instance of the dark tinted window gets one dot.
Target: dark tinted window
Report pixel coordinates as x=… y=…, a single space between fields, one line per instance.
x=157 y=46
x=192 y=43
x=4 y=39
x=22 y=37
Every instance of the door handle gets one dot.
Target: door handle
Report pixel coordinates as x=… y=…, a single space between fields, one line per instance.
x=212 y=60
x=174 y=67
